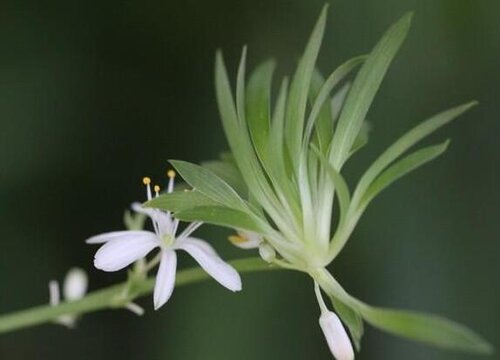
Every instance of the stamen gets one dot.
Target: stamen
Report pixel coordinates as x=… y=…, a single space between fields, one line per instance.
x=157 y=190
x=54 y=295
x=147 y=181
x=171 y=176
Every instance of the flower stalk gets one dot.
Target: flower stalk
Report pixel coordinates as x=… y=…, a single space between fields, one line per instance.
x=106 y=298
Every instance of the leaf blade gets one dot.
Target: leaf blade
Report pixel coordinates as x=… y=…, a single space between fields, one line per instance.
x=364 y=89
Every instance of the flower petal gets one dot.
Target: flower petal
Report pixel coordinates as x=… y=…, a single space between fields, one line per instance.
x=163 y=219
x=109 y=236
x=210 y=261
x=246 y=240
x=75 y=284
x=123 y=251
x=336 y=336
x=165 y=278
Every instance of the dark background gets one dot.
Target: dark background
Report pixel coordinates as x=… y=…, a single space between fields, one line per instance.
x=95 y=95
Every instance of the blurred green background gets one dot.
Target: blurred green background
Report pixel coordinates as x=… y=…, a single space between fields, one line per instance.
x=96 y=94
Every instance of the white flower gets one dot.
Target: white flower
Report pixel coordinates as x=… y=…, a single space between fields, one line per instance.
x=335 y=334
x=246 y=239
x=122 y=248
x=74 y=288
x=251 y=240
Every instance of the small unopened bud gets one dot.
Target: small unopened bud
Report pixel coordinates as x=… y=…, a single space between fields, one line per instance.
x=336 y=336
x=75 y=284
x=267 y=252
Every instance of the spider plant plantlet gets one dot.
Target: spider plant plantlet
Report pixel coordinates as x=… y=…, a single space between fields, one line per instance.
x=283 y=181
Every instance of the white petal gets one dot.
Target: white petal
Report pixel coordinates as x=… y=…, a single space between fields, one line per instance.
x=54 y=296
x=165 y=278
x=104 y=238
x=246 y=240
x=163 y=219
x=123 y=251
x=75 y=284
x=208 y=259
x=336 y=336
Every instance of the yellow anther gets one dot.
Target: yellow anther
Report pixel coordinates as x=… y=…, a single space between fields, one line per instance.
x=171 y=173
x=157 y=188
x=237 y=239
x=146 y=180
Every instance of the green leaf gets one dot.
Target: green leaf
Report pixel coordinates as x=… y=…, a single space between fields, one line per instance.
x=333 y=80
x=228 y=171
x=258 y=106
x=338 y=182
x=324 y=123
x=299 y=89
x=181 y=200
x=352 y=319
x=404 y=143
x=426 y=328
x=338 y=101
x=430 y=329
x=364 y=88
x=221 y=216
x=401 y=168
x=241 y=145
x=361 y=139
x=209 y=184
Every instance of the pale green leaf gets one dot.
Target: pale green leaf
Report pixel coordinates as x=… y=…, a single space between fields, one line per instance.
x=333 y=80
x=404 y=143
x=258 y=106
x=299 y=89
x=429 y=329
x=228 y=171
x=401 y=168
x=221 y=216
x=364 y=88
x=209 y=184
x=181 y=200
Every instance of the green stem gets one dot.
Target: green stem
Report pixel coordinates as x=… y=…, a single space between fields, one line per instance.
x=107 y=298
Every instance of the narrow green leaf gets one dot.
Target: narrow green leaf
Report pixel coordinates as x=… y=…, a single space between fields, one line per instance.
x=430 y=329
x=324 y=123
x=364 y=88
x=229 y=172
x=209 y=184
x=338 y=101
x=297 y=102
x=258 y=106
x=404 y=143
x=240 y=87
x=426 y=328
x=333 y=80
x=221 y=216
x=241 y=146
x=338 y=182
x=361 y=139
x=401 y=168
x=181 y=200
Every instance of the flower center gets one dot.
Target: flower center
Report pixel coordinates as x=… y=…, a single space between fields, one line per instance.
x=168 y=240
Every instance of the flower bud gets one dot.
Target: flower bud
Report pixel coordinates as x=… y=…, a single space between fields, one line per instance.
x=336 y=336
x=75 y=284
x=267 y=252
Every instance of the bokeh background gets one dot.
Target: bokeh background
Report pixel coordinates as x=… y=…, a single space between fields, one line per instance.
x=96 y=94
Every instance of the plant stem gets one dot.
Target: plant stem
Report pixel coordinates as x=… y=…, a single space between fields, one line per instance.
x=107 y=298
